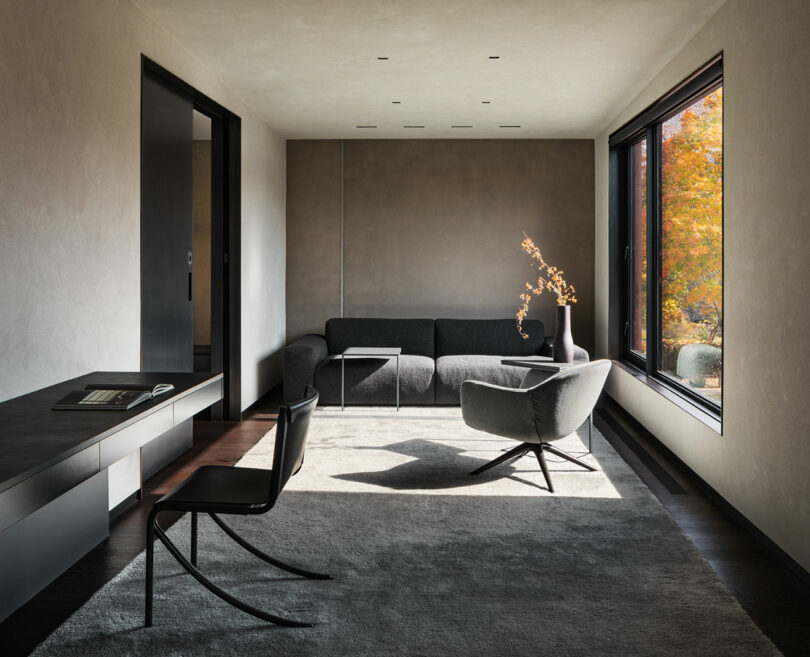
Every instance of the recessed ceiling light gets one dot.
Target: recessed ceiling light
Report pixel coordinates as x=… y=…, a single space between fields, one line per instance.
x=494 y=57
x=461 y=126
x=413 y=126
x=508 y=126
x=365 y=126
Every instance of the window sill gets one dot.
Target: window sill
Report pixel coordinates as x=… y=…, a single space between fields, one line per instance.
x=712 y=420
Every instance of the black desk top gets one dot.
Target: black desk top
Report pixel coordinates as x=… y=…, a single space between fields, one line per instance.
x=34 y=437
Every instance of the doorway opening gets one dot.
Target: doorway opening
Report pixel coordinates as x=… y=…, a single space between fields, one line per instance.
x=201 y=240
x=190 y=216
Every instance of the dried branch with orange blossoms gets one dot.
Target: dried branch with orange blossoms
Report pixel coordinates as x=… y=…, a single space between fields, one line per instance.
x=550 y=279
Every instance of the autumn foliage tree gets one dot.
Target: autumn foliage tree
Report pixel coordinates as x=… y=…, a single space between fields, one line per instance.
x=692 y=230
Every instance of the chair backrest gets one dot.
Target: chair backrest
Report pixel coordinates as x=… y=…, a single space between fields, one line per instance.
x=291 y=440
x=563 y=402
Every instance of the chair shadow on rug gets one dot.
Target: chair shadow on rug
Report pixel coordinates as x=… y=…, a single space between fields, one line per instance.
x=216 y=489
x=435 y=466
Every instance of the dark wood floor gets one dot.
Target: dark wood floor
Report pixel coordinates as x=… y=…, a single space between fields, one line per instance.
x=774 y=597
x=777 y=600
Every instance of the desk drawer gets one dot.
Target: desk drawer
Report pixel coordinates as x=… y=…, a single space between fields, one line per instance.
x=35 y=492
x=121 y=443
x=44 y=544
x=198 y=400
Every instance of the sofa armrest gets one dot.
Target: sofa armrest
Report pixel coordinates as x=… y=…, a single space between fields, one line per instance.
x=580 y=354
x=301 y=358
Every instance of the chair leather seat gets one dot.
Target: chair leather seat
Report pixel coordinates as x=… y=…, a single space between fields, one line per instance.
x=219 y=484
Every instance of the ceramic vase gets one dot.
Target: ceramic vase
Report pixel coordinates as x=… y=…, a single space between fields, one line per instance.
x=563 y=350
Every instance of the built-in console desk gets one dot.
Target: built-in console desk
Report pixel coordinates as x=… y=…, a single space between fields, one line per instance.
x=61 y=472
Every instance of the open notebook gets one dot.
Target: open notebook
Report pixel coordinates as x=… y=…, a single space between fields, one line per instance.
x=110 y=397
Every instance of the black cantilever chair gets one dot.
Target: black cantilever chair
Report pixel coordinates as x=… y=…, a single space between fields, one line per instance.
x=537 y=415
x=216 y=489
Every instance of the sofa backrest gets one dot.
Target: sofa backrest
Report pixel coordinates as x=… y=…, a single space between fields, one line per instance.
x=415 y=336
x=492 y=337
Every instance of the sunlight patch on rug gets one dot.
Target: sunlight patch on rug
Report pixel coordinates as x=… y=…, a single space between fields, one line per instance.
x=430 y=451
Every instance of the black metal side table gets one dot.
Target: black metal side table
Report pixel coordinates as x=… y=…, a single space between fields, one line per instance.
x=365 y=352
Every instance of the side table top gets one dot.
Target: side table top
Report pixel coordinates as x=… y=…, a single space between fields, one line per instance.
x=544 y=363
x=372 y=351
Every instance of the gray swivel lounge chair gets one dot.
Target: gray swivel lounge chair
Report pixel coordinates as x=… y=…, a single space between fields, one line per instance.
x=536 y=415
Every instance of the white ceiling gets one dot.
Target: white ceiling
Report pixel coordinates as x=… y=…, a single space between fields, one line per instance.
x=310 y=68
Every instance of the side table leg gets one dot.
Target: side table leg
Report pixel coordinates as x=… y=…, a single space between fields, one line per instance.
x=397 y=382
x=590 y=430
x=342 y=383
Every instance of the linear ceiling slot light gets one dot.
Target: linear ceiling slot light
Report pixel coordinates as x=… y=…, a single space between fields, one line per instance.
x=494 y=57
x=382 y=58
x=508 y=126
x=396 y=102
x=413 y=126
x=365 y=126
x=461 y=126
x=486 y=102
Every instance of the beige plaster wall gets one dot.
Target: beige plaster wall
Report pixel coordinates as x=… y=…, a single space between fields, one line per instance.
x=70 y=193
x=759 y=464
x=432 y=228
x=263 y=259
x=313 y=235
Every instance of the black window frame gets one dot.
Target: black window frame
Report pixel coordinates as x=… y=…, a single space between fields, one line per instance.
x=647 y=125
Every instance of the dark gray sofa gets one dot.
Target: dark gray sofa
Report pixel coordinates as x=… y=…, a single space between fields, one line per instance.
x=437 y=357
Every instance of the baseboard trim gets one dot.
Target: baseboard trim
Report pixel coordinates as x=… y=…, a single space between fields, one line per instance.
x=274 y=392
x=125 y=504
x=669 y=482
x=609 y=406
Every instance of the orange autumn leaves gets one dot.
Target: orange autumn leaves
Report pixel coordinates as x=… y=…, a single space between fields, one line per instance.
x=550 y=279
x=692 y=222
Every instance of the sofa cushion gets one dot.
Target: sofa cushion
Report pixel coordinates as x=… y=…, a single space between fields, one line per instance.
x=452 y=371
x=373 y=380
x=493 y=337
x=414 y=336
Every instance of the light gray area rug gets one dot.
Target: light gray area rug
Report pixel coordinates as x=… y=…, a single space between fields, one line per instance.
x=428 y=560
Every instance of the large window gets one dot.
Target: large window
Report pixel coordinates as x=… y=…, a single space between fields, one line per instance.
x=669 y=185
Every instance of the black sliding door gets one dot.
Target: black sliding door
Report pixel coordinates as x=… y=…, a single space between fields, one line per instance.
x=167 y=232
x=167 y=331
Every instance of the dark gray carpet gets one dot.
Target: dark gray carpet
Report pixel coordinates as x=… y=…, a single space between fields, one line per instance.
x=430 y=561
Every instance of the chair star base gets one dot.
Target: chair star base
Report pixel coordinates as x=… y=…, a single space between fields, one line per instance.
x=538 y=449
